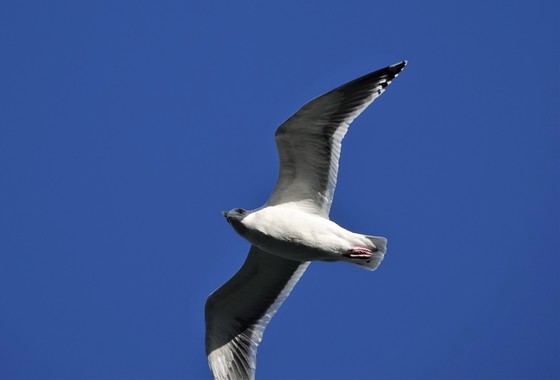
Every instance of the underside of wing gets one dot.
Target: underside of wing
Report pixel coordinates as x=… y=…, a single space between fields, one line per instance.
x=237 y=313
x=309 y=141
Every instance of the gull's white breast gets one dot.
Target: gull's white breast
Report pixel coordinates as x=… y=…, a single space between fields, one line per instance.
x=289 y=232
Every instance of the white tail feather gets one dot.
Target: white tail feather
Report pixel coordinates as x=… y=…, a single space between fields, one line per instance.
x=376 y=257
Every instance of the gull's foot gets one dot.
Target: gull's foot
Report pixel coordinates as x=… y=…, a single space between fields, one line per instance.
x=358 y=253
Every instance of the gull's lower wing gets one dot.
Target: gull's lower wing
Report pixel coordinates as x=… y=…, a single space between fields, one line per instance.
x=237 y=313
x=309 y=141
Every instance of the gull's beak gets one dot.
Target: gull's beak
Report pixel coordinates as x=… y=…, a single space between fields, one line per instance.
x=226 y=215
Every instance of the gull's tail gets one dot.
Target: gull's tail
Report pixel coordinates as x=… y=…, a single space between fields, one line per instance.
x=376 y=256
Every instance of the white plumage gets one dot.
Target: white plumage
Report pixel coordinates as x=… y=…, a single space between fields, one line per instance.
x=292 y=228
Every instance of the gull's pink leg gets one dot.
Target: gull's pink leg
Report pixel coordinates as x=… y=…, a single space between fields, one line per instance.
x=358 y=253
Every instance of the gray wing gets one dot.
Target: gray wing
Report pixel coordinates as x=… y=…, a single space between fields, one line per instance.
x=237 y=313
x=309 y=141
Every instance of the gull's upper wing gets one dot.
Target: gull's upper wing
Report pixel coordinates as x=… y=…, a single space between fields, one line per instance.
x=237 y=313
x=309 y=141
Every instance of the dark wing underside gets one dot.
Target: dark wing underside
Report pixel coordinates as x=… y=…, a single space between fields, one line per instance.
x=309 y=141
x=237 y=313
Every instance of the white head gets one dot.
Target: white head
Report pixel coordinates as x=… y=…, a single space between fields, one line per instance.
x=235 y=214
x=235 y=218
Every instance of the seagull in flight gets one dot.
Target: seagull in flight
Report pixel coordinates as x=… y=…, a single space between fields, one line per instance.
x=292 y=228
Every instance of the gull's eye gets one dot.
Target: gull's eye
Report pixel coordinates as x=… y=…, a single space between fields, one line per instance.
x=239 y=210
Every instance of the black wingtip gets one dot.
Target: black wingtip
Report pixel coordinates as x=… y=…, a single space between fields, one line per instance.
x=398 y=66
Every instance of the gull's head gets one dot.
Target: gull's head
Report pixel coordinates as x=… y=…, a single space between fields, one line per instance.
x=236 y=214
x=235 y=219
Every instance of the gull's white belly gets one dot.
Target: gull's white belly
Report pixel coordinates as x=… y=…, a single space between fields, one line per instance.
x=290 y=233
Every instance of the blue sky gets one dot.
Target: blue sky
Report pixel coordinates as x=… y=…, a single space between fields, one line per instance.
x=126 y=127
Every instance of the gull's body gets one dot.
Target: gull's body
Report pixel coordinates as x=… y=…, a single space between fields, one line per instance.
x=292 y=228
x=285 y=230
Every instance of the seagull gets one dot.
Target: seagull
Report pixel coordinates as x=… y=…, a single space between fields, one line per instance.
x=292 y=228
